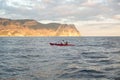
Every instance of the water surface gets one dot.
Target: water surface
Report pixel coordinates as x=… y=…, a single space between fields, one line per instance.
x=32 y=58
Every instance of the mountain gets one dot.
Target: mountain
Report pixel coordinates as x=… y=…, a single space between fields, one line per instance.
x=28 y=27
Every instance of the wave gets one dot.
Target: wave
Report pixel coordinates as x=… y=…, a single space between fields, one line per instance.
x=93 y=55
x=83 y=74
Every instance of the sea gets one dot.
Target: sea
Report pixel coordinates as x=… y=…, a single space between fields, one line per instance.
x=32 y=58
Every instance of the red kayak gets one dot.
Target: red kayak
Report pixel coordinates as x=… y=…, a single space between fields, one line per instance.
x=61 y=44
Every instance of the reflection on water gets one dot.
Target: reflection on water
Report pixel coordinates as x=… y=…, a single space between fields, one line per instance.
x=32 y=58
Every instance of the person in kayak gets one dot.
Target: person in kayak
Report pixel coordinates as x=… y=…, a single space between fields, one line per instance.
x=64 y=42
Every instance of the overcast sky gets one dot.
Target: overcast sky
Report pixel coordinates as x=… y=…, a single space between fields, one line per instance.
x=91 y=17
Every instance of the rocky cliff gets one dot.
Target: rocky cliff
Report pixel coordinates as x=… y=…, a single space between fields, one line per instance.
x=29 y=27
x=67 y=29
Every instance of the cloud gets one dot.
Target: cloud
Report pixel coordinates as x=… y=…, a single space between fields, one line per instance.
x=92 y=28
x=117 y=16
x=93 y=3
x=80 y=10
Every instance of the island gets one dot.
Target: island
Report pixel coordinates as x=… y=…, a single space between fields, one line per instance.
x=29 y=27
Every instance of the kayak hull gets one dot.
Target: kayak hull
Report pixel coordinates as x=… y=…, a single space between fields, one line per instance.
x=60 y=44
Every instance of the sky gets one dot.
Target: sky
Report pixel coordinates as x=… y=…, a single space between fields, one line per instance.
x=91 y=17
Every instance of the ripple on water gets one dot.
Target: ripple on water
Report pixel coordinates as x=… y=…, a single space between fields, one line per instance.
x=106 y=61
x=71 y=69
x=83 y=74
x=112 y=68
x=117 y=78
x=116 y=52
x=93 y=55
x=15 y=69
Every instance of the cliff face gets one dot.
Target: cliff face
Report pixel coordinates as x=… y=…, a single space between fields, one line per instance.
x=69 y=30
x=28 y=27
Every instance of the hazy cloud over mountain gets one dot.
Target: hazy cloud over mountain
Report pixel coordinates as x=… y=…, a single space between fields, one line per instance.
x=58 y=10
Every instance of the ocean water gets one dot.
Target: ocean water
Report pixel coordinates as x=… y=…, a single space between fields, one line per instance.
x=32 y=58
